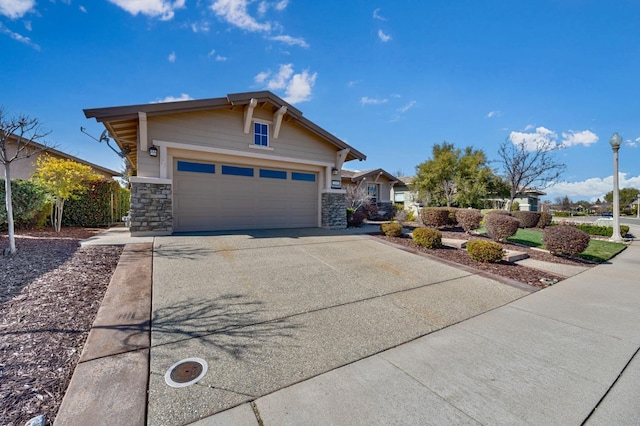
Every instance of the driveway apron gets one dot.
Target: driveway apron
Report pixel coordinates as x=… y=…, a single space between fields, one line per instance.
x=267 y=309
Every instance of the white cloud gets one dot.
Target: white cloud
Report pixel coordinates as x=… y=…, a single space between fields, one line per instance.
x=529 y=127
x=590 y=189
x=291 y=41
x=542 y=137
x=353 y=83
x=376 y=15
x=300 y=86
x=384 y=37
x=407 y=107
x=14 y=9
x=164 y=9
x=365 y=100
x=202 y=27
x=18 y=37
x=27 y=26
x=492 y=114
x=585 y=137
x=264 y=6
x=220 y=58
x=235 y=12
x=83 y=9
x=172 y=57
x=182 y=97
x=633 y=144
x=297 y=87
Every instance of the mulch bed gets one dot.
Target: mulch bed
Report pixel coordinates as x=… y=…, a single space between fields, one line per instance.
x=508 y=270
x=50 y=292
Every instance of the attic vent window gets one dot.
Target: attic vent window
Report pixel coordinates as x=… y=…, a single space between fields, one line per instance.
x=261 y=134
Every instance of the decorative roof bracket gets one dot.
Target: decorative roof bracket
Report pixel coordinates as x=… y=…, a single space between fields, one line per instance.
x=248 y=114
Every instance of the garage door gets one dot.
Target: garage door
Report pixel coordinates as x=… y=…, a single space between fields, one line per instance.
x=221 y=196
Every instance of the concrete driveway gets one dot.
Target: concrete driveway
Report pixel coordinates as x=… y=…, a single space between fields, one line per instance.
x=268 y=309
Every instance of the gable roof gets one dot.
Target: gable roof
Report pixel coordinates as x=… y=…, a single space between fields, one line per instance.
x=122 y=121
x=359 y=175
x=38 y=147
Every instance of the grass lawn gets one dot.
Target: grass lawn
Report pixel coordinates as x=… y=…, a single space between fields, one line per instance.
x=597 y=251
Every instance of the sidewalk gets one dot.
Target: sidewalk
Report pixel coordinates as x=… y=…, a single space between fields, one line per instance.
x=553 y=357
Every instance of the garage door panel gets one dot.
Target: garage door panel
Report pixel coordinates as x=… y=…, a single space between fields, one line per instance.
x=216 y=201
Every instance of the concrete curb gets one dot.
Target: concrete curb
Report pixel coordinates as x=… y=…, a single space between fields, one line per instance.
x=109 y=384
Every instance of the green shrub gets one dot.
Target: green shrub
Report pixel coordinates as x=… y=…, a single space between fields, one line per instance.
x=28 y=201
x=565 y=239
x=601 y=231
x=527 y=219
x=545 y=220
x=411 y=216
x=562 y=214
x=515 y=206
x=434 y=216
x=500 y=227
x=468 y=218
x=485 y=251
x=427 y=237
x=392 y=229
x=93 y=206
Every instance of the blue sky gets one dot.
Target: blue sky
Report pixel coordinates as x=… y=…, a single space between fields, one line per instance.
x=391 y=78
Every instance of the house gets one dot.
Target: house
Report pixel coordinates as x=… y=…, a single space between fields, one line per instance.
x=402 y=193
x=244 y=161
x=26 y=167
x=378 y=184
x=527 y=199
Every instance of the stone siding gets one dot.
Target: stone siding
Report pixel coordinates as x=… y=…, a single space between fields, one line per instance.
x=151 y=210
x=334 y=210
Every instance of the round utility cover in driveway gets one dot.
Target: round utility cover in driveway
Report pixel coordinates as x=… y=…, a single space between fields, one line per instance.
x=186 y=372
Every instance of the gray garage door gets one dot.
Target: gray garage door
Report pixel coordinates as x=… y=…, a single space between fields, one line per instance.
x=221 y=196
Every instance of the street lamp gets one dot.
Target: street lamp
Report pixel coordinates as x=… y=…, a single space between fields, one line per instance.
x=638 y=206
x=615 y=142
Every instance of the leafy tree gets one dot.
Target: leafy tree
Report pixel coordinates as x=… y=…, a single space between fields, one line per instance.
x=526 y=164
x=564 y=203
x=626 y=196
x=61 y=178
x=20 y=137
x=454 y=176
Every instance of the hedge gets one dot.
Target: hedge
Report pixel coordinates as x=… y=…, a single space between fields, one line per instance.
x=500 y=227
x=28 y=201
x=565 y=240
x=92 y=207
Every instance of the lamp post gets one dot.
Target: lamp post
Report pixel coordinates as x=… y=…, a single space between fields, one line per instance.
x=615 y=142
x=638 y=207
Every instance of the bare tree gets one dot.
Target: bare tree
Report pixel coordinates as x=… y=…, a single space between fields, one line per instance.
x=527 y=164
x=357 y=195
x=20 y=137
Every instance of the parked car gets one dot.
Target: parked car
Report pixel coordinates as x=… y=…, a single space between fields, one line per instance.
x=607 y=214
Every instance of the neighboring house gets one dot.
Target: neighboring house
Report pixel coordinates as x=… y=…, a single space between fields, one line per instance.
x=26 y=167
x=402 y=193
x=378 y=183
x=244 y=161
x=527 y=199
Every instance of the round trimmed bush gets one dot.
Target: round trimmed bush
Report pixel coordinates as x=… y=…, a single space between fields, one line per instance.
x=427 y=237
x=500 y=226
x=392 y=229
x=527 y=219
x=502 y=212
x=469 y=219
x=485 y=251
x=434 y=216
x=565 y=240
x=545 y=220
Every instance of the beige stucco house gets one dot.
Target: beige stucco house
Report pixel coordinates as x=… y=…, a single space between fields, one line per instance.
x=244 y=161
x=378 y=183
x=24 y=168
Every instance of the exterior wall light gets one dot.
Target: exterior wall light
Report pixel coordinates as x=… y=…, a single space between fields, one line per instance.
x=153 y=151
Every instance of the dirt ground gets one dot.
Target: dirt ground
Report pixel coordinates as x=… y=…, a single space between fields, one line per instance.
x=508 y=270
x=50 y=292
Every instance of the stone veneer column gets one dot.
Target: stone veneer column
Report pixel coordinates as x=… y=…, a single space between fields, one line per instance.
x=334 y=210
x=151 y=210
